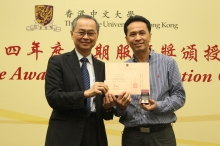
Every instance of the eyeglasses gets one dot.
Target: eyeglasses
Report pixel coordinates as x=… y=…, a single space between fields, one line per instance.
x=83 y=33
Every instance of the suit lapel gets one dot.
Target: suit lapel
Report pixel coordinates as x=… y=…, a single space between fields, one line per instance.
x=73 y=62
x=97 y=70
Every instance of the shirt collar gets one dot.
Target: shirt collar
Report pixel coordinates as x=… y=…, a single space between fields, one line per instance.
x=89 y=57
x=149 y=57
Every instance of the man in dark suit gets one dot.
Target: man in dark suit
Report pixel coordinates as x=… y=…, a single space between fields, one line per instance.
x=69 y=124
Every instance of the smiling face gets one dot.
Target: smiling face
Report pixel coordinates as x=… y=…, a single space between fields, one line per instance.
x=138 y=36
x=84 y=35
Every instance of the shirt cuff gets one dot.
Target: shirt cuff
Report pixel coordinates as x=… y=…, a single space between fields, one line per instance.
x=120 y=112
x=157 y=109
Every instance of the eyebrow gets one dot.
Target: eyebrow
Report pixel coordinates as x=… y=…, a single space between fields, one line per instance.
x=137 y=31
x=87 y=30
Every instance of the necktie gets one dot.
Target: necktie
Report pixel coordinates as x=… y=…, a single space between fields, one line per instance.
x=86 y=81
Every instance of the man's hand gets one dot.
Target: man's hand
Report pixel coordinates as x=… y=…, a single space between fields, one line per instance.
x=148 y=107
x=123 y=100
x=97 y=88
x=109 y=101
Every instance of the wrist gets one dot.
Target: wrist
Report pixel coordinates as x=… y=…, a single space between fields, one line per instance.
x=121 y=107
x=87 y=94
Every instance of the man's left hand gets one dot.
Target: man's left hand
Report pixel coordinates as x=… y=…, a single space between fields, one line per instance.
x=148 y=107
x=109 y=101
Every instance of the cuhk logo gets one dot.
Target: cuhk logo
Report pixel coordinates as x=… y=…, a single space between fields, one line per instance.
x=43 y=19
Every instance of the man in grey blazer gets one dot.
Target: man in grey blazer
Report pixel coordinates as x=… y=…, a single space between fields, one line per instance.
x=66 y=94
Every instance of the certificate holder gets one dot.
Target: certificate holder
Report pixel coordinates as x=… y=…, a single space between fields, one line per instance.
x=131 y=77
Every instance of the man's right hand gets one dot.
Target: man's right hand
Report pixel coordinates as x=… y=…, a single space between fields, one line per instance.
x=97 y=88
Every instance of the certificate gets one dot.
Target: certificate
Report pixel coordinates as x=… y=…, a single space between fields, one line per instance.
x=131 y=77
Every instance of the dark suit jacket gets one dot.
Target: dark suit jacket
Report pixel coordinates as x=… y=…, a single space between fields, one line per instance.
x=64 y=91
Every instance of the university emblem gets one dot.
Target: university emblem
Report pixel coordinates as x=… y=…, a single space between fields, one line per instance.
x=43 y=19
x=43 y=14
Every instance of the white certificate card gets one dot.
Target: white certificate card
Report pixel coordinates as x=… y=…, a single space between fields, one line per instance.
x=131 y=77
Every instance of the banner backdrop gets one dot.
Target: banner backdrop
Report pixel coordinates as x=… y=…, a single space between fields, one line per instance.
x=32 y=31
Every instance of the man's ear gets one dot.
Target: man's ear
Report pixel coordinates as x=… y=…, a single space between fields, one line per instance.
x=71 y=32
x=97 y=35
x=126 y=40
x=150 y=37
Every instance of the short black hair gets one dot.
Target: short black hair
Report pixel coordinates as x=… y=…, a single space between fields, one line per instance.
x=136 y=18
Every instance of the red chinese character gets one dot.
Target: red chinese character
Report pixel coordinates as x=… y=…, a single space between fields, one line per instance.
x=35 y=49
x=168 y=50
x=123 y=52
x=56 y=49
x=102 y=53
x=212 y=53
x=13 y=50
x=191 y=53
